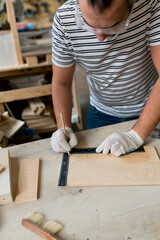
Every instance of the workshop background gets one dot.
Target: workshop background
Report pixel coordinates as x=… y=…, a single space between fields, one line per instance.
x=26 y=110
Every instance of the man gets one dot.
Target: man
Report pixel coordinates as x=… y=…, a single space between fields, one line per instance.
x=117 y=42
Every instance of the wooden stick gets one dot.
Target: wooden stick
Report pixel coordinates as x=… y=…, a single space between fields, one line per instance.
x=63 y=125
x=40 y=231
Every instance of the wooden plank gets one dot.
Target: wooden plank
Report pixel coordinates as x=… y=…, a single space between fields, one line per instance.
x=5 y=178
x=11 y=15
x=139 y=168
x=31 y=61
x=25 y=93
x=27 y=188
x=2 y=109
x=10 y=127
x=37 y=50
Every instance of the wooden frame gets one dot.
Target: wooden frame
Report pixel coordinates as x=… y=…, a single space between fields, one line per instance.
x=32 y=62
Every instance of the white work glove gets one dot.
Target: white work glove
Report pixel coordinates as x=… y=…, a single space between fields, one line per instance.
x=59 y=143
x=120 y=143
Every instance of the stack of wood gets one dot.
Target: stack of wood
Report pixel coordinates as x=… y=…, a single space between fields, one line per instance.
x=39 y=117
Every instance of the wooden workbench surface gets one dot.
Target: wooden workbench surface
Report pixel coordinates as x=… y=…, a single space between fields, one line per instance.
x=95 y=213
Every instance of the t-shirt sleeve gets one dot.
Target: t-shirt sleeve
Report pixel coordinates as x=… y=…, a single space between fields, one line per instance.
x=62 y=54
x=154 y=27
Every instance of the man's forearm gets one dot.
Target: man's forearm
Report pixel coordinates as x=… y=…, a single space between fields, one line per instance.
x=62 y=102
x=150 y=116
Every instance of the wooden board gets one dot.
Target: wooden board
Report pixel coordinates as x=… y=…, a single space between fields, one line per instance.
x=10 y=127
x=25 y=93
x=5 y=178
x=27 y=188
x=139 y=168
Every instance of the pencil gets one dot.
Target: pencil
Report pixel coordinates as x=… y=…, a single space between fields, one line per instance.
x=63 y=125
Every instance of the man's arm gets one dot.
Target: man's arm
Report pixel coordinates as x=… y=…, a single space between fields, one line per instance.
x=150 y=116
x=62 y=93
x=62 y=102
x=121 y=143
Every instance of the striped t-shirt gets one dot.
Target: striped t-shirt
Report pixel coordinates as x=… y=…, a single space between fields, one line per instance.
x=120 y=71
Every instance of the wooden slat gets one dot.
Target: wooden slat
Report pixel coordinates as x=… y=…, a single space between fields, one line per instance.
x=11 y=15
x=5 y=178
x=139 y=168
x=25 y=93
x=27 y=188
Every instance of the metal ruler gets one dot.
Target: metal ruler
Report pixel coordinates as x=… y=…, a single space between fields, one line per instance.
x=65 y=161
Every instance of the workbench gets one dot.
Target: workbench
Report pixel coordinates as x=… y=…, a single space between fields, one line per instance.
x=95 y=213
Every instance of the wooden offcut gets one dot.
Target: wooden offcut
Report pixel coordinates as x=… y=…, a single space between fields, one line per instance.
x=10 y=127
x=5 y=177
x=27 y=188
x=138 y=168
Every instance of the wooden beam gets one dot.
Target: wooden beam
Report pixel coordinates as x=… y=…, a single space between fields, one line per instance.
x=12 y=19
x=25 y=93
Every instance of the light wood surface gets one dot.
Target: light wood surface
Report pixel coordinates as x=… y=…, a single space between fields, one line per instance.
x=138 y=168
x=5 y=178
x=94 y=213
x=27 y=188
x=10 y=126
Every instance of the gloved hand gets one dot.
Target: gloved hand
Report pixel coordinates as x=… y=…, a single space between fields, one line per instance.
x=120 y=143
x=59 y=143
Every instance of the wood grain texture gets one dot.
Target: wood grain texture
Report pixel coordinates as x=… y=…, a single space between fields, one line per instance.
x=5 y=178
x=27 y=188
x=139 y=168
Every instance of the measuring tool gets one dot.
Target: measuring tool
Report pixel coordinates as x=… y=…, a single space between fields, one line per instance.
x=65 y=161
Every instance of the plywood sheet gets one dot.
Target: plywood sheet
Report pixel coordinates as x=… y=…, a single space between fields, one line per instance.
x=28 y=180
x=138 y=168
